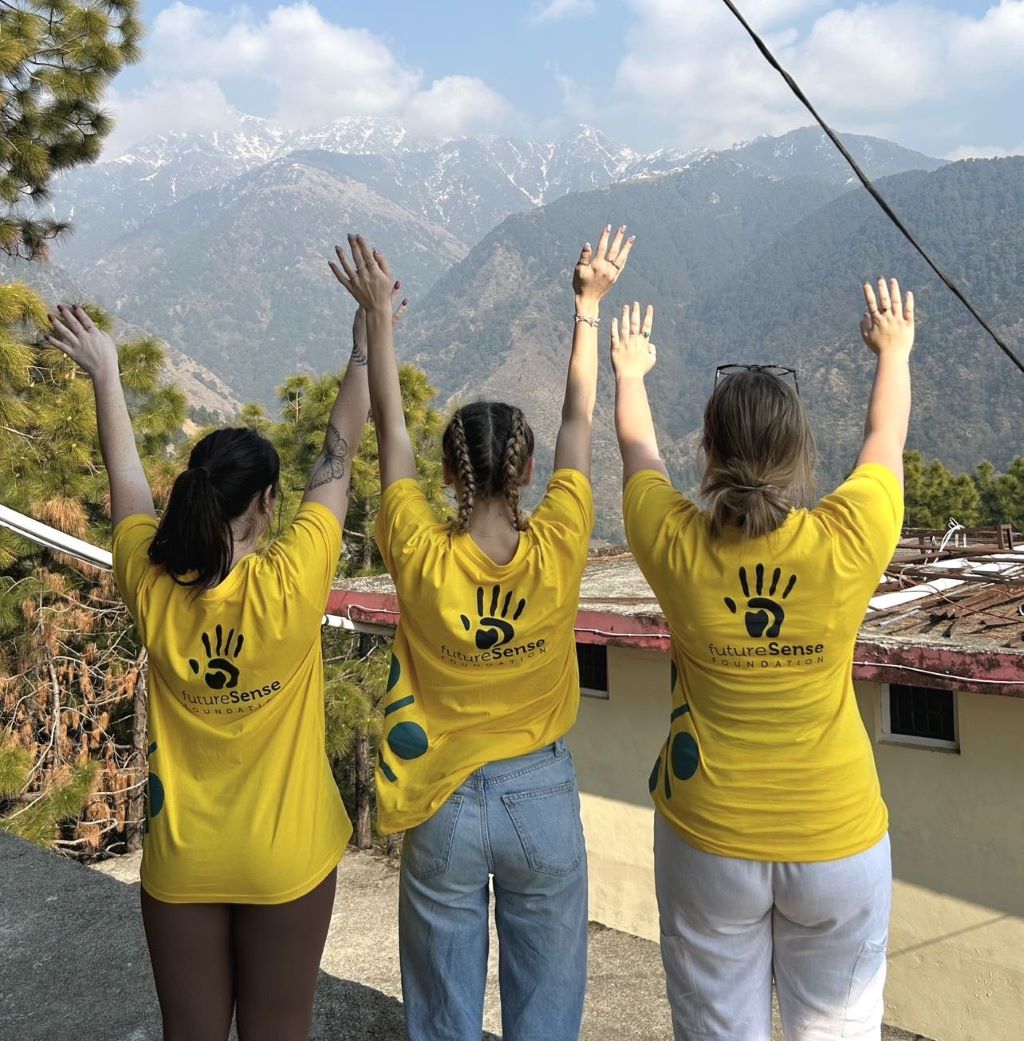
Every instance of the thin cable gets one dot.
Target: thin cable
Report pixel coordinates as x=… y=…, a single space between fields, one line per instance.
x=872 y=190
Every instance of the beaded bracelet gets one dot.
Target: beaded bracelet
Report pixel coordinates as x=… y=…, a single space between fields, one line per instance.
x=592 y=322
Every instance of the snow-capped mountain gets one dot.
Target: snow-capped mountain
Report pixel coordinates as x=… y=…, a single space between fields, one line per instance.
x=468 y=184
x=218 y=241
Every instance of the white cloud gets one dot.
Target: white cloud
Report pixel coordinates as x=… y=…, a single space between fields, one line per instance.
x=457 y=105
x=698 y=77
x=555 y=10
x=308 y=71
x=187 y=105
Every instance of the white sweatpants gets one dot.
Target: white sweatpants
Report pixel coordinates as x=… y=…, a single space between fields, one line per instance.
x=729 y=925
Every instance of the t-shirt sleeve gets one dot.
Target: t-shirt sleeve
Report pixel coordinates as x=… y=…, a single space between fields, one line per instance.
x=654 y=515
x=566 y=513
x=405 y=522
x=132 y=539
x=306 y=555
x=864 y=516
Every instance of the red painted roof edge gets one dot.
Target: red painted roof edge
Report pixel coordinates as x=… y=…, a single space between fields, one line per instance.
x=974 y=670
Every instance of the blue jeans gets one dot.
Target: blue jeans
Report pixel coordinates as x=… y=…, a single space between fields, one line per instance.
x=518 y=820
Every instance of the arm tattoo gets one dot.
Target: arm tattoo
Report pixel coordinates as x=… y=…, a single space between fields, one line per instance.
x=358 y=354
x=330 y=464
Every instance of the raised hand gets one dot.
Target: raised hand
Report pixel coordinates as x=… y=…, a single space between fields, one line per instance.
x=359 y=321
x=367 y=276
x=597 y=270
x=633 y=354
x=82 y=342
x=888 y=325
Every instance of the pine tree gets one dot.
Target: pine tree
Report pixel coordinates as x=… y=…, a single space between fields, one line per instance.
x=72 y=670
x=57 y=57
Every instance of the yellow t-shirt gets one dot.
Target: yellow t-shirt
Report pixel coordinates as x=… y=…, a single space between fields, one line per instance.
x=767 y=757
x=484 y=662
x=242 y=806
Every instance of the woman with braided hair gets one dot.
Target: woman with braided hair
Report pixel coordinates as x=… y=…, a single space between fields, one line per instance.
x=483 y=688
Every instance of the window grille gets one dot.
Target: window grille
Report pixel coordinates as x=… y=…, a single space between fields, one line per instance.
x=593 y=662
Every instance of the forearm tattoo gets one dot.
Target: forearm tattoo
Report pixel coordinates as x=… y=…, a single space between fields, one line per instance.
x=358 y=354
x=330 y=466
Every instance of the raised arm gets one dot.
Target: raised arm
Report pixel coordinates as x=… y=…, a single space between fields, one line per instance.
x=368 y=279
x=633 y=356
x=888 y=330
x=94 y=351
x=331 y=476
x=595 y=273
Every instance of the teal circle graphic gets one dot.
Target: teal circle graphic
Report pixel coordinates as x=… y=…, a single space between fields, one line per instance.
x=408 y=740
x=652 y=781
x=685 y=756
x=394 y=673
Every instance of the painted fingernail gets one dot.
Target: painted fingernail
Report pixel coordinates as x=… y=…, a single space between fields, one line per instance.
x=632 y=238
x=607 y=227
x=405 y=301
x=586 y=245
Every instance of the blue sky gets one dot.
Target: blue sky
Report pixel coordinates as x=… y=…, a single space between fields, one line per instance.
x=943 y=76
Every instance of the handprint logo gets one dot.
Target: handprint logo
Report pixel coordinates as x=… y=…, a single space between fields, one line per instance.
x=220 y=671
x=764 y=615
x=494 y=628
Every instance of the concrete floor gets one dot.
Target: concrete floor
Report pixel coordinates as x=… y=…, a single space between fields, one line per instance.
x=73 y=964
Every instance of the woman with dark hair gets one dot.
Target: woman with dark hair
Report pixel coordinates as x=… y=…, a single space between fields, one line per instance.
x=483 y=688
x=245 y=826
x=771 y=838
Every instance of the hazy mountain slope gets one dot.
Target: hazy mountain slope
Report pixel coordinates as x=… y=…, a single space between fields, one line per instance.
x=499 y=324
x=798 y=302
x=744 y=267
x=238 y=277
x=809 y=153
x=203 y=389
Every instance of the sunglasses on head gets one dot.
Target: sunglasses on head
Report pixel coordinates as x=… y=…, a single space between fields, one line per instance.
x=782 y=371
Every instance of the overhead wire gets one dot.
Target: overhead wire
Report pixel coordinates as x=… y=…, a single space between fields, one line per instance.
x=870 y=187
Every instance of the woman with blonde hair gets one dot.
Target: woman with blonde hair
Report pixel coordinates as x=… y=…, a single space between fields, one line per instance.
x=771 y=837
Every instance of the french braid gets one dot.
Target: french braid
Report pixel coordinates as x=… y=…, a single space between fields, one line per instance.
x=464 y=471
x=513 y=463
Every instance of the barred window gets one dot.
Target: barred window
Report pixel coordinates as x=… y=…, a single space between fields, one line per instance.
x=593 y=662
x=923 y=716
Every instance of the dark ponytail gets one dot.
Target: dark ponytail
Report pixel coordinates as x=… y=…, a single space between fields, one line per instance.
x=488 y=446
x=225 y=471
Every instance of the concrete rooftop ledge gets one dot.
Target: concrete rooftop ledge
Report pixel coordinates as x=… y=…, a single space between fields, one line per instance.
x=73 y=962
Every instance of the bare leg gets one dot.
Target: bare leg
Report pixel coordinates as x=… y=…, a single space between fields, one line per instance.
x=190 y=950
x=277 y=956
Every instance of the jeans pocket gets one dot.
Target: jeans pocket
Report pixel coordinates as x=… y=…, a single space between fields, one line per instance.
x=427 y=848
x=547 y=821
x=865 y=1004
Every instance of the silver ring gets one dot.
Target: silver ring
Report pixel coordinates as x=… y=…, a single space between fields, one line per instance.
x=645 y=335
x=882 y=310
x=358 y=269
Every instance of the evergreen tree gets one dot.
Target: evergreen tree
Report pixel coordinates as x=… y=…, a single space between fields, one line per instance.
x=57 y=57
x=934 y=495
x=72 y=676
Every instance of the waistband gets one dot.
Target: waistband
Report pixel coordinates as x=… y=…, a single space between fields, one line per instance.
x=503 y=769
